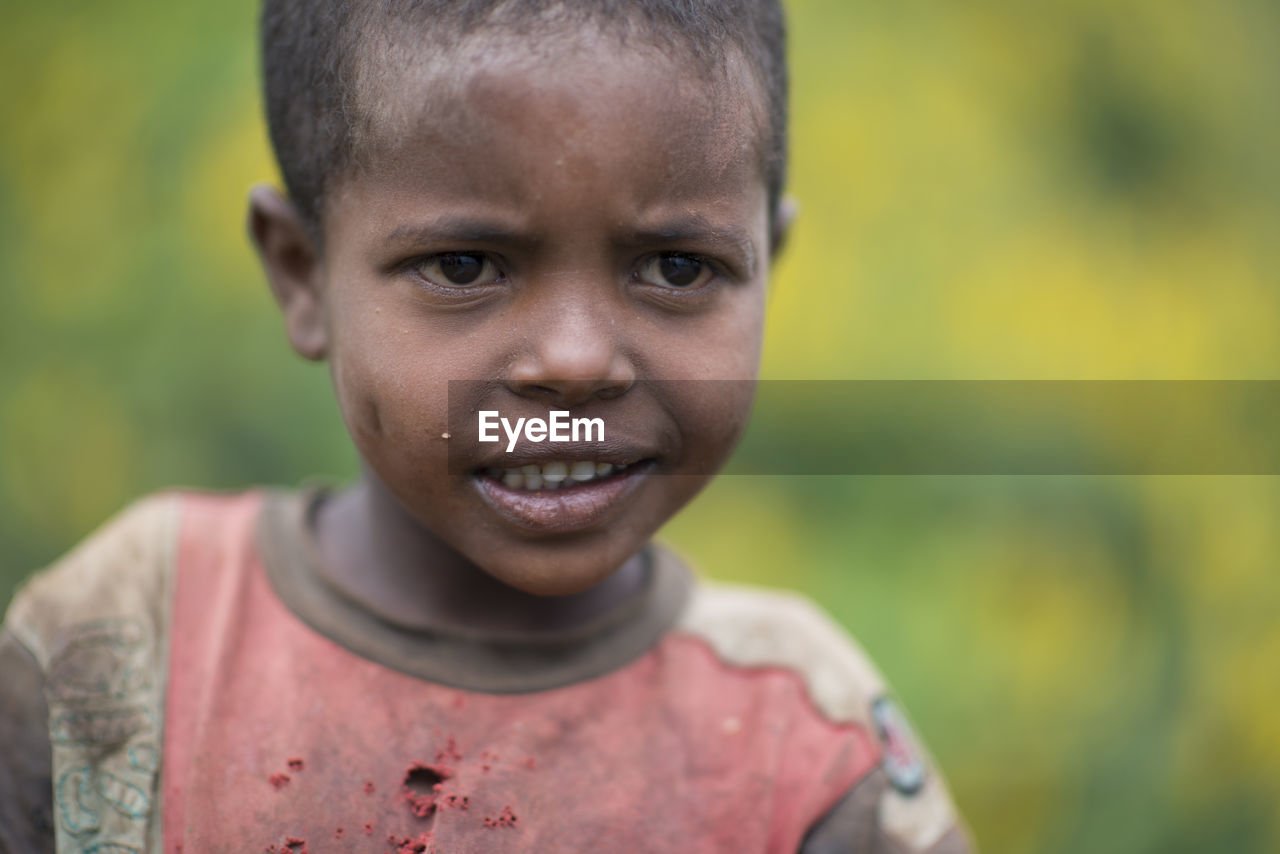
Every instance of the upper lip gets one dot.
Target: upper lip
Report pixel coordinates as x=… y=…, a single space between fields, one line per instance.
x=619 y=452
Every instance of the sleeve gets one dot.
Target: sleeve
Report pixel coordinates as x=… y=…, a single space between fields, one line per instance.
x=26 y=788
x=82 y=674
x=900 y=803
x=902 y=806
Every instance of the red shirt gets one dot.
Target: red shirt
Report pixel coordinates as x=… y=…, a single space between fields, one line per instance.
x=243 y=704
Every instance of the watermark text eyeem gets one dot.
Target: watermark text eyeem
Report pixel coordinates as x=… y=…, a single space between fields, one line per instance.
x=558 y=427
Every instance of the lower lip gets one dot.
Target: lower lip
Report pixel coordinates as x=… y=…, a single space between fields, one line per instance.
x=567 y=509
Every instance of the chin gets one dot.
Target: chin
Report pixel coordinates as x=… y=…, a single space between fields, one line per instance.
x=555 y=574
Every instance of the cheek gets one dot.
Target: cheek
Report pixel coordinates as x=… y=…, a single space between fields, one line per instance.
x=723 y=342
x=750 y=337
x=726 y=346
x=391 y=400
x=713 y=415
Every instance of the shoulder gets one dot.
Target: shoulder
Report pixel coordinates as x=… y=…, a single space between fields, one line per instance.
x=91 y=631
x=762 y=627
x=117 y=579
x=118 y=568
x=903 y=804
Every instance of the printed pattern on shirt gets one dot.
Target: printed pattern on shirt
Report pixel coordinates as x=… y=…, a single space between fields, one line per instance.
x=96 y=623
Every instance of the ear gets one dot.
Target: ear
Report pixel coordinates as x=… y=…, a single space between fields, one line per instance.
x=780 y=228
x=292 y=264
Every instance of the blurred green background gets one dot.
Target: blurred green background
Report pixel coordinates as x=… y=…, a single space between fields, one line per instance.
x=1077 y=189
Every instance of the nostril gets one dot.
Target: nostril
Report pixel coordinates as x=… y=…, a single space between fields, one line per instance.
x=569 y=393
x=611 y=392
x=543 y=391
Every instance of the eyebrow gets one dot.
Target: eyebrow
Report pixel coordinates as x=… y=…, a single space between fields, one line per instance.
x=695 y=228
x=462 y=229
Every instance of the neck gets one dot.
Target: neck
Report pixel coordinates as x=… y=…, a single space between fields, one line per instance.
x=377 y=553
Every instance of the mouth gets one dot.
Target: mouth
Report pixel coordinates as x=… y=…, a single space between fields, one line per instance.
x=561 y=496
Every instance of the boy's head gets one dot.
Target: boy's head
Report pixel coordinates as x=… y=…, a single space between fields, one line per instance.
x=567 y=204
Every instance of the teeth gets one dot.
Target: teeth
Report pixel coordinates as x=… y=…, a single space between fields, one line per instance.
x=552 y=475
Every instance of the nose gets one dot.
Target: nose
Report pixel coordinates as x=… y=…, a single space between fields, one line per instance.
x=573 y=350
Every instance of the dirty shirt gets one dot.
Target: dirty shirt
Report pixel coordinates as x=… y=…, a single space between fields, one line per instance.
x=186 y=680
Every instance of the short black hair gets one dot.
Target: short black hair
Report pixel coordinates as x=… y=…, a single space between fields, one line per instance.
x=310 y=63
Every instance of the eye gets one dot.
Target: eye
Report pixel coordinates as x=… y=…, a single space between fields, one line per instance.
x=673 y=270
x=458 y=269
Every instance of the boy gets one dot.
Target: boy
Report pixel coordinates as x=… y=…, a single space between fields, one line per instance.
x=516 y=208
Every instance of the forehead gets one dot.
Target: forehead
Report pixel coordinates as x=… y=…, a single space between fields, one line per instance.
x=581 y=118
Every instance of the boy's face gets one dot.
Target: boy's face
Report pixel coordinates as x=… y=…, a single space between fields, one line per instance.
x=563 y=227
